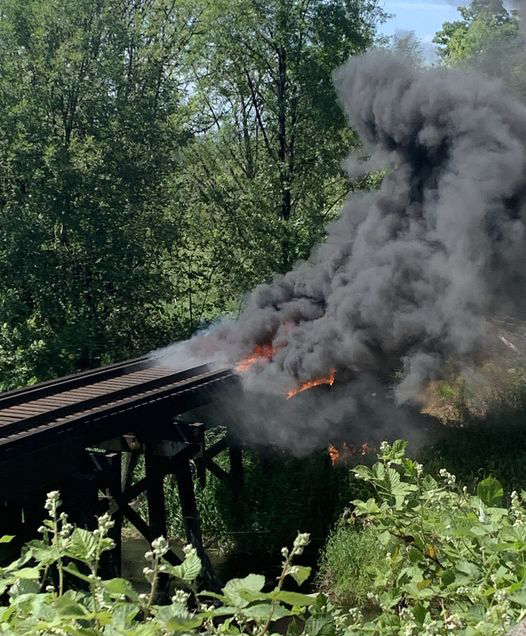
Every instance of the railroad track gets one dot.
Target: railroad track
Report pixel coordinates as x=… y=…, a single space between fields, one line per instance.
x=50 y=423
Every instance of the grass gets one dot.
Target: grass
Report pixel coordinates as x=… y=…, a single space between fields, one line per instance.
x=472 y=448
x=344 y=564
x=494 y=444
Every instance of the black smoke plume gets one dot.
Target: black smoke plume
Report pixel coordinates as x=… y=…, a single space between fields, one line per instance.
x=410 y=275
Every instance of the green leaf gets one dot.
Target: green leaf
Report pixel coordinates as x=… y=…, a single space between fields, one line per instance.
x=419 y=612
x=82 y=545
x=300 y=573
x=24 y=586
x=293 y=598
x=120 y=587
x=123 y=614
x=490 y=491
x=362 y=472
x=219 y=597
x=316 y=626
x=519 y=598
x=398 y=448
x=234 y=588
x=176 y=620
x=27 y=573
x=178 y=624
x=448 y=576
x=7 y=538
x=369 y=507
x=188 y=570
x=67 y=607
x=263 y=610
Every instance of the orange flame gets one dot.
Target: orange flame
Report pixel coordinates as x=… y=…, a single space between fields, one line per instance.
x=329 y=379
x=344 y=454
x=334 y=454
x=260 y=352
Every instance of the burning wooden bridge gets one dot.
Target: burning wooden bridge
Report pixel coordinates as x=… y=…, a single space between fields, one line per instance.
x=83 y=435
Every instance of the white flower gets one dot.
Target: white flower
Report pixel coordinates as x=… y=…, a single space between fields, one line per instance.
x=189 y=550
x=300 y=542
x=180 y=596
x=105 y=523
x=452 y=622
x=160 y=547
x=447 y=477
x=52 y=500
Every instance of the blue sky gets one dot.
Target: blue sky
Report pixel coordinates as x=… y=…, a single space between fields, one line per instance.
x=424 y=17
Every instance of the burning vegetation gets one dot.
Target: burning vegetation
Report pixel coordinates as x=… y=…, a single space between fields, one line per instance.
x=344 y=453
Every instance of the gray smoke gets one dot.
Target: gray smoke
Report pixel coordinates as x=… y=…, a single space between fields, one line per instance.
x=410 y=274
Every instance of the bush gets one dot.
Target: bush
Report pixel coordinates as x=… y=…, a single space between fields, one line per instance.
x=455 y=563
x=281 y=494
x=345 y=564
x=54 y=588
x=449 y=562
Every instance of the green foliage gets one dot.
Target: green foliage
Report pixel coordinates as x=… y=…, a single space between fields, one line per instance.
x=158 y=160
x=90 y=118
x=484 y=23
x=463 y=449
x=266 y=177
x=453 y=563
x=280 y=494
x=445 y=562
x=346 y=560
x=486 y=37
x=38 y=601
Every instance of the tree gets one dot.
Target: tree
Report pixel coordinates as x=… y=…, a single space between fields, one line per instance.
x=406 y=44
x=90 y=112
x=268 y=169
x=158 y=159
x=487 y=37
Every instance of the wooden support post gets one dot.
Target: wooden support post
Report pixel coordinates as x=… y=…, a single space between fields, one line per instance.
x=80 y=499
x=183 y=475
x=105 y=468
x=154 y=470
x=112 y=560
x=128 y=466
x=155 y=495
x=235 y=456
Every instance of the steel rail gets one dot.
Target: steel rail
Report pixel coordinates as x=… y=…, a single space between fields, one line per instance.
x=75 y=380
x=58 y=409
x=93 y=424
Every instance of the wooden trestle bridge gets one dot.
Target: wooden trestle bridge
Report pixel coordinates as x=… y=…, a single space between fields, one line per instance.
x=83 y=435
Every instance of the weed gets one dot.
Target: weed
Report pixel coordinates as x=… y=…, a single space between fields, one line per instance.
x=346 y=562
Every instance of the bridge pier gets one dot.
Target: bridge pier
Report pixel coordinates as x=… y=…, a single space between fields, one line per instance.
x=49 y=433
x=164 y=457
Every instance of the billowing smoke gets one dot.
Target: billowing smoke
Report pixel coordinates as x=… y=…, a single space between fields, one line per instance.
x=409 y=275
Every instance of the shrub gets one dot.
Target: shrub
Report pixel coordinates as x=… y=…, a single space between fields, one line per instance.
x=455 y=563
x=345 y=564
x=451 y=563
x=54 y=588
